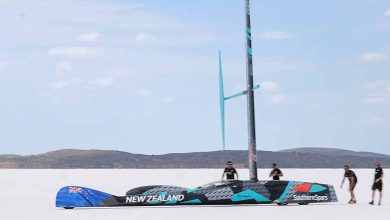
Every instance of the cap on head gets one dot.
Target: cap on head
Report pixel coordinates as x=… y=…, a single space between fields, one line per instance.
x=377 y=164
x=229 y=163
x=346 y=167
x=274 y=165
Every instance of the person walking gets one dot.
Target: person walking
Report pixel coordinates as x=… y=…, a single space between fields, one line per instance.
x=378 y=184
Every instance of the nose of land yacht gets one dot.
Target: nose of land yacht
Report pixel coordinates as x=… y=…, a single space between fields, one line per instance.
x=76 y=196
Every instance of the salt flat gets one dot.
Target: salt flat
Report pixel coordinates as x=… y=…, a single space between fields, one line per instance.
x=30 y=194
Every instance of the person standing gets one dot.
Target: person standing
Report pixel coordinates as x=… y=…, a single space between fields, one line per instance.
x=378 y=183
x=352 y=182
x=276 y=173
x=230 y=172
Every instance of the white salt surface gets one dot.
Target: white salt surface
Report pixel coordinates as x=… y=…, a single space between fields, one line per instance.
x=30 y=194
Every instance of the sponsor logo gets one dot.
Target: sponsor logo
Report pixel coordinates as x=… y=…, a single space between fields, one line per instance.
x=310 y=198
x=75 y=190
x=151 y=199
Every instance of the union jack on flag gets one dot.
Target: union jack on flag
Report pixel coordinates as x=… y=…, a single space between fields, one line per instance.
x=75 y=190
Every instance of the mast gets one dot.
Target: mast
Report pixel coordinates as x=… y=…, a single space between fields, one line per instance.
x=250 y=97
x=222 y=101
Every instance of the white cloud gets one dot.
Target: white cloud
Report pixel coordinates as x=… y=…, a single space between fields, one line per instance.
x=373 y=57
x=59 y=85
x=312 y=106
x=379 y=120
x=279 y=99
x=103 y=81
x=89 y=37
x=387 y=13
x=76 y=52
x=276 y=35
x=167 y=99
x=377 y=92
x=63 y=68
x=273 y=93
x=57 y=101
x=379 y=85
x=107 y=80
x=269 y=87
x=146 y=38
x=374 y=99
x=144 y=92
x=172 y=40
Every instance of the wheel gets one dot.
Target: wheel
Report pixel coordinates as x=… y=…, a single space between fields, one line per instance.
x=282 y=203
x=303 y=203
x=68 y=207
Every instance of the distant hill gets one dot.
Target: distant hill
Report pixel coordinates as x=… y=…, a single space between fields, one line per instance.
x=291 y=158
x=334 y=152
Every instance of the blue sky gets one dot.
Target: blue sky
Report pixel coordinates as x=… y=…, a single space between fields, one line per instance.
x=142 y=76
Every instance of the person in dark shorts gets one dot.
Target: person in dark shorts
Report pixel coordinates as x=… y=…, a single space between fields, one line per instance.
x=378 y=183
x=230 y=172
x=276 y=173
x=352 y=182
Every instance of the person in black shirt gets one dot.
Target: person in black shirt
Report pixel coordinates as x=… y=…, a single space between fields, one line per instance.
x=230 y=172
x=352 y=182
x=276 y=173
x=378 y=183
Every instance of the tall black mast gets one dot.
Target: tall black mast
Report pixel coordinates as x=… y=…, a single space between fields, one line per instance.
x=250 y=97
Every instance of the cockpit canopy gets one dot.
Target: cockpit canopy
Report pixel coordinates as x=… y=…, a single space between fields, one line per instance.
x=219 y=183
